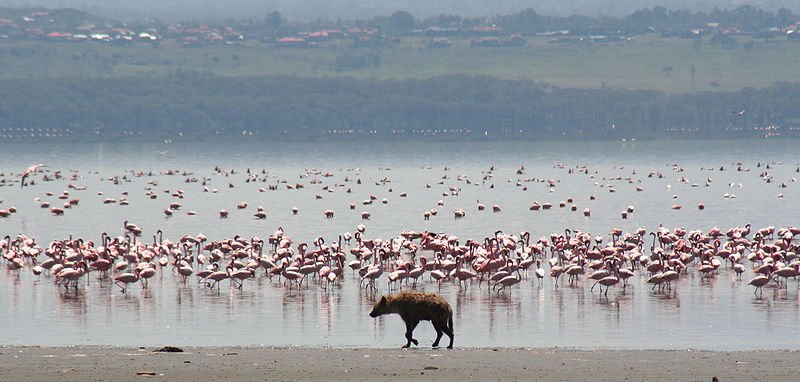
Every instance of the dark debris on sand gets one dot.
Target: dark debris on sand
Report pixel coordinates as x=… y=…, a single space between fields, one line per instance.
x=168 y=349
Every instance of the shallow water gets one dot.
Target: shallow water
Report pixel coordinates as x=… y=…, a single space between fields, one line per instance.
x=720 y=313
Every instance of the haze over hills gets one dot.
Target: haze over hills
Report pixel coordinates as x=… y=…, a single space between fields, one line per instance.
x=350 y=9
x=651 y=73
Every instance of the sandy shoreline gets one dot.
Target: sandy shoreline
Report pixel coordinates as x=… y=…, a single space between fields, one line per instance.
x=286 y=364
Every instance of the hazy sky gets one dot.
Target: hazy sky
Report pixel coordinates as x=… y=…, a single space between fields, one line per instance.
x=348 y=9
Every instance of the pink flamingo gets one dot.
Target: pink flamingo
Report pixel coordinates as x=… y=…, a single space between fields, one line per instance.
x=417 y=272
x=102 y=265
x=242 y=274
x=185 y=270
x=739 y=270
x=146 y=272
x=462 y=274
x=607 y=282
x=218 y=276
x=124 y=279
x=398 y=275
x=202 y=275
x=373 y=273
x=71 y=275
x=555 y=273
x=625 y=274
x=292 y=276
x=787 y=272
x=668 y=276
x=539 y=272
x=656 y=280
x=759 y=281
x=509 y=281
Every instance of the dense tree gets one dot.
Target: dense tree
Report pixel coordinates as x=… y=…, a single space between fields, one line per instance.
x=273 y=19
x=402 y=21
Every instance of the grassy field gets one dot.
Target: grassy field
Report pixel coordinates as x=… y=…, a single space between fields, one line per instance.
x=636 y=64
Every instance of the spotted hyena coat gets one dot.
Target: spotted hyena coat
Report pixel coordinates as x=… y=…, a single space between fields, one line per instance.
x=414 y=307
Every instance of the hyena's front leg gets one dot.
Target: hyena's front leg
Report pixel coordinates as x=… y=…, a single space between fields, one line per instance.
x=410 y=325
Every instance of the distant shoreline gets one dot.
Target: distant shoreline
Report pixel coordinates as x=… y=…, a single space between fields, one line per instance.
x=278 y=364
x=266 y=139
x=197 y=107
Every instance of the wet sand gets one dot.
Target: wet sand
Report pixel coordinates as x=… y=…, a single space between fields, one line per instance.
x=290 y=364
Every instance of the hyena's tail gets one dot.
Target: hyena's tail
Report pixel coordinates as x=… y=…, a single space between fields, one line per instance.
x=450 y=322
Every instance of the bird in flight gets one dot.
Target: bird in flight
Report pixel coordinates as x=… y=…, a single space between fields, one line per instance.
x=28 y=171
x=740 y=113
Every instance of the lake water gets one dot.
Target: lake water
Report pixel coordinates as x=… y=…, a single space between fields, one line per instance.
x=716 y=313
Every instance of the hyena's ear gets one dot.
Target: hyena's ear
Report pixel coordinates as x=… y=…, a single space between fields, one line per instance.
x=383 y=300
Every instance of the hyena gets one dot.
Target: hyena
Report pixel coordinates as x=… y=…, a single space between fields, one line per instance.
x=414 y=307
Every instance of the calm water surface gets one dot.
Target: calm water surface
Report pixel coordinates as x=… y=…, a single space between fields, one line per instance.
x=717 y=313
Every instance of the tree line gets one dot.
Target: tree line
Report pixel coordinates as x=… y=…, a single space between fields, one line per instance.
x=201 y=105
x=747 y=18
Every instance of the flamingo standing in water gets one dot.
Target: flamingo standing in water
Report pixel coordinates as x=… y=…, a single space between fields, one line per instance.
x=762 y=279
x=292 y=275
x=759 y=281
x=102 y=265
x=787 y=272
x=418 y=271
x=738 y=268
x=242 y=274
x=439 y=276
x=202 y=275
x=373 y=273
x=218 y=276
x=69 y=276
x=185 y=270
x=607 y=282
x=668 y=276
x=124 y=279
x=555 y=273
x=146 y=272
x=539 y=272
x=625 y=274
x=656 y=280
x=398 y=276
x=462 y=274
x=508 y=281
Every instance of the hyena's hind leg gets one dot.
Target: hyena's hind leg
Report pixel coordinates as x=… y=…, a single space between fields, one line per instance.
x=448 y=329
x=410 y=325
x=440 y=326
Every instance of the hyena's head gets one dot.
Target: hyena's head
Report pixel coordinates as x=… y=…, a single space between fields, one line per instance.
x=381 y=307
